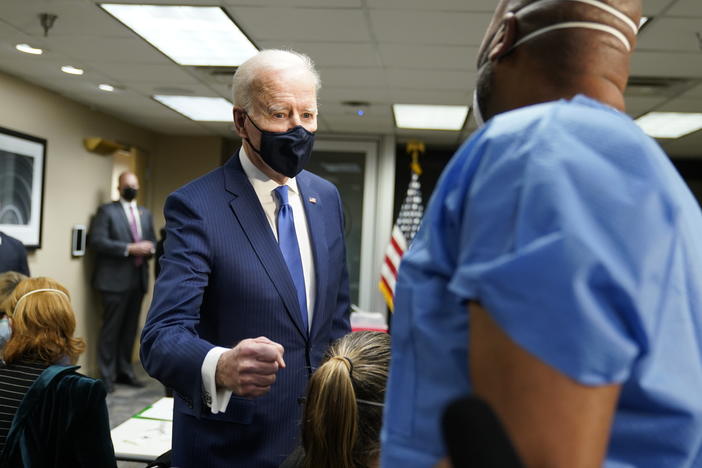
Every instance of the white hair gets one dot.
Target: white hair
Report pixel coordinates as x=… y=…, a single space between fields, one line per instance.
x=267 y=60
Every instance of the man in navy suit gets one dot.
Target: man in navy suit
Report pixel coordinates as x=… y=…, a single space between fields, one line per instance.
x=122 y=235
x=13 y=255
x=253 y=285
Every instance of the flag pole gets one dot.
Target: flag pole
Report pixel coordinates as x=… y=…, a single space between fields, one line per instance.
x=414 y=148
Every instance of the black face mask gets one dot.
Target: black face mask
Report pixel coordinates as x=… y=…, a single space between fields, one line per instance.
x=285 y=152
x=129 y=193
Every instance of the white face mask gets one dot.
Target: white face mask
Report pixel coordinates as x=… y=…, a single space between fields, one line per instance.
x=5 y=331
x=569 y=25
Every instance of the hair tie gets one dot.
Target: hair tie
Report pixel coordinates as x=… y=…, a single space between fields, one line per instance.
x=38 y=291
x=348 y=361
x=350 y=365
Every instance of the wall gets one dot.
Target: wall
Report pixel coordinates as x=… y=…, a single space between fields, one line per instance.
x=176 y=161
x=75 y=183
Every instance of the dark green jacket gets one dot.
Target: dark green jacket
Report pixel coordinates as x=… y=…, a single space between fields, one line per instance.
x=62 y=421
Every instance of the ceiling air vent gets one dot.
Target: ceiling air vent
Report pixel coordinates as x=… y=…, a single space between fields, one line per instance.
x=216 y=75
x=655 y=86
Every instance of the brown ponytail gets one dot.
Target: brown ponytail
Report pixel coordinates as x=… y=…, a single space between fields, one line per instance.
x=343 y=410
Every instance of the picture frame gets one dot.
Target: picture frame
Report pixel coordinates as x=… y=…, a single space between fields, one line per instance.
x=22 y=168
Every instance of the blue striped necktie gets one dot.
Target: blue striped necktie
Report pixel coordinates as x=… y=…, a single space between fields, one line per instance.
x=287 y=240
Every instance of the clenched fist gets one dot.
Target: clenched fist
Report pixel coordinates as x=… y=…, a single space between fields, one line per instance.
x=249 y=369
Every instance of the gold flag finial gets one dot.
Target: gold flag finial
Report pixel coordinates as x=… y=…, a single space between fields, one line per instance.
x=414 y=148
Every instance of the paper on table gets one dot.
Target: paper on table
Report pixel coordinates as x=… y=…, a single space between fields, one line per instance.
x=142 y=437
x=161 y=409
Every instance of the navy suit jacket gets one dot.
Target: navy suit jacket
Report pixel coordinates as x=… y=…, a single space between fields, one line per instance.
x=223 y=279
x=13 y=255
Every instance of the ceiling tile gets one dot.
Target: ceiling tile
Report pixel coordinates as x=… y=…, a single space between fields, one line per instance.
x=429 y=79
x=695 y=92
x=331 y=54
x=637 y=105
x=45 y=67
x=193 y=89
x=298 y=3
x=683 y=104
x=352 y=77
x=666 y=64
x=303 y=24
x=74 y=16
x=413 y=96
x=686 y=8
x=373 y=111
x=654 y=7
x=429 y=27
x=166 y=74
x=114 y=49
x=435 y=5
x=361 y=93
x=433 y=57
x=163 y=2
x=9 y=33
x=170 y=127
x=671 y=34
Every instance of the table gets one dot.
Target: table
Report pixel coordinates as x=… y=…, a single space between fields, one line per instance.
x=147 y=434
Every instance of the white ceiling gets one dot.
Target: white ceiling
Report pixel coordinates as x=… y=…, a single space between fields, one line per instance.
x=379 y=51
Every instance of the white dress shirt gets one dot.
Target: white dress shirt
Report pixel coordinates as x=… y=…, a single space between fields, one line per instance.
x=218 y=398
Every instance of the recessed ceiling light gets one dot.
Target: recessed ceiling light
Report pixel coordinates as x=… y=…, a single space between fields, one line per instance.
x=106 y=87
x=205 y=109
x=430 y=117
x=72 y=70
x=27 y=49
x=669 y=124
x=189 y=35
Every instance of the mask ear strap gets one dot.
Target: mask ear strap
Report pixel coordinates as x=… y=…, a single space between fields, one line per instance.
x=577 y=24
x=247 y=116
x=252 y=122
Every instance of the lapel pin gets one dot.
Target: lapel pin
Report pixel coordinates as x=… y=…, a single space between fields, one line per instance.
x=313 y=200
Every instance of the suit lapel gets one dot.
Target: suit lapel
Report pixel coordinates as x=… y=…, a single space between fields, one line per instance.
x=314 y=210
x=145 y=224
x=248 y=211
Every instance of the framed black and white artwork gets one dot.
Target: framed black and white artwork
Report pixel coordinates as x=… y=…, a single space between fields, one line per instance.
x=22 y=165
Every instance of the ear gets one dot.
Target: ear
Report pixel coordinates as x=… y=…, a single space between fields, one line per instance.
x=505 y=38
x=239 y=120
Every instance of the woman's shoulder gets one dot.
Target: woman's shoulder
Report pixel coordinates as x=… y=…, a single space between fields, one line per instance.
x=72 y=380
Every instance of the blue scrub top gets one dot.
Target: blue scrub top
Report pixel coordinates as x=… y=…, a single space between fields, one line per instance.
x=575 y=232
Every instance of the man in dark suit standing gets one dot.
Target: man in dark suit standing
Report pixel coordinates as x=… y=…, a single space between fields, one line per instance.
x=254 y=268
x=13 y=255
x=122 y=235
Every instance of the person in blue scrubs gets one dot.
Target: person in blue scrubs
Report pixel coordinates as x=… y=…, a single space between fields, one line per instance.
x=557 y=273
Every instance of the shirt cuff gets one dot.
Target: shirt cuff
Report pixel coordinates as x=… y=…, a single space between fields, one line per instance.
x=126 y=250
x=216 y=399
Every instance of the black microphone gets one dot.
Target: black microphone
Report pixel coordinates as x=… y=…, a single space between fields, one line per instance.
x=475 y=437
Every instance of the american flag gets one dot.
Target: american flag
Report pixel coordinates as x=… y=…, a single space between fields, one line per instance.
x=403 y=230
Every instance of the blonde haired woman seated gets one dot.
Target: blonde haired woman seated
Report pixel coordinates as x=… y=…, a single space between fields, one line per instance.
x=50 y=416
x=344 y=405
